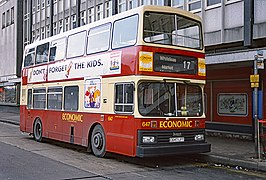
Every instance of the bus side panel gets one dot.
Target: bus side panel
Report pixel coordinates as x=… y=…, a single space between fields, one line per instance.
x=72 y=126
x=23 y=118
x=120 y=134
x=54 y=126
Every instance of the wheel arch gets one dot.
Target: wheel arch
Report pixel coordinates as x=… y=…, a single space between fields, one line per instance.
x=33 y=122
x=90 y=133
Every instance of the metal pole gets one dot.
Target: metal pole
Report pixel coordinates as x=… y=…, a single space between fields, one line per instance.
x=255 y=105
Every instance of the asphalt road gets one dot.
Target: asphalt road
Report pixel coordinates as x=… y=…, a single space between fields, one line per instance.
x=23 y=158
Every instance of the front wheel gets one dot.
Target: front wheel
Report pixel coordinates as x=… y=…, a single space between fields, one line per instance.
x=37 y=130
x=98 y=141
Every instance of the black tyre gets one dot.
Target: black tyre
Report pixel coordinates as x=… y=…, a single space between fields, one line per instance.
x=98 y=141
x=37 y=130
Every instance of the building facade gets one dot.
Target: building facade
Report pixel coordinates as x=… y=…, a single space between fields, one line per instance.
x=233 y=29
x=11 y=48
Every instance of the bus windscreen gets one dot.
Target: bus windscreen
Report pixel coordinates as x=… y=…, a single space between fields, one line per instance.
x=172 y=29
x=170 y=99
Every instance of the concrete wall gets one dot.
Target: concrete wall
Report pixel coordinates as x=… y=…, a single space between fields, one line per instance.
x=225 y=22
x=8 y=44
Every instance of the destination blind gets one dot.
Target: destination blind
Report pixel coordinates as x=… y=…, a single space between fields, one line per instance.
x=175 y=63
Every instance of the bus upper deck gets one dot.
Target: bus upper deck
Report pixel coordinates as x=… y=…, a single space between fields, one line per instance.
x=139 y=41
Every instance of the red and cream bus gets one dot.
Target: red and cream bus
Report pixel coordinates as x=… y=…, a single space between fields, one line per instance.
x=130 y=84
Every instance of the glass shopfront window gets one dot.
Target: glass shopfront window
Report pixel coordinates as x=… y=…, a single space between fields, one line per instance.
x=8 y=95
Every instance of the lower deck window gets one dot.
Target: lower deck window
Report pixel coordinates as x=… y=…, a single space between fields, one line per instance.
x=124 y=98
x=39 y=98
x=54 y=98
x=71 y=98
x=29 y=100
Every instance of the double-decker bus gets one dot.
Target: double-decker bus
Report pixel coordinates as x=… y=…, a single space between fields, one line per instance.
x=130 y=84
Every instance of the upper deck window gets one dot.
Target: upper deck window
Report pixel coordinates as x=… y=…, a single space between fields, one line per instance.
x=125 y=32
x=42 y=53
x=29 y=57
x=76 y=44
x=101 y=35
x=172 y=29
x=58 y=49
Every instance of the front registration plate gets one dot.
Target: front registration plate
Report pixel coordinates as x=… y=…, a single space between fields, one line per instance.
x=177 y=139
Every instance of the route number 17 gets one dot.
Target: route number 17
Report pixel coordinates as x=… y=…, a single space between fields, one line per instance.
x=186 y=64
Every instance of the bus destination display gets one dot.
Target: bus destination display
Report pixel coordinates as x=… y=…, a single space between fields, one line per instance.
x=175 y=63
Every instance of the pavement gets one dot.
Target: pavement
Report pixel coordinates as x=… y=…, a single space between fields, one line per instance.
x=227 y=150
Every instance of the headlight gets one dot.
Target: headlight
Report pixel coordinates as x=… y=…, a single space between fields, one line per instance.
x=199 y=137
x=148 y=139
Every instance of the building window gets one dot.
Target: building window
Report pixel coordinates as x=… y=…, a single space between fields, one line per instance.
x=33 y=6
x=32 y=35
x=42 y=33
x=232 y=104
x=146 y=2
x=124 y=98
x=82 y=18
x=132 y=4
x=74 y=21
x=194 y=5
x=108 y=9
x=25 y=35
x=48 y=30
x=43 y=4
x=121 y=6
x=212 y=2
x=26 y=9
x=60 y=26
x=71 y=98
x=8 y=95
x=158 y=2
x=178 y=3
x=37 y=34
x=12 y=15
x=66 y=23
x=99 y=11
x=55 y=9
x=38 y=5
x=232 y=1
x=3 y=20
x=2 y=95
x=91 y=15
x=8 y=17
x=54 y=28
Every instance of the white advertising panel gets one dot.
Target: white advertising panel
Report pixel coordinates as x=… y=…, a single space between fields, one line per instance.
x=37 y=74
x=104 y=64
x=90 y=66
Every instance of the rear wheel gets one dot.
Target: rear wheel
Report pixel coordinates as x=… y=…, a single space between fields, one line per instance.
x=98 y=141
x=37 y=130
